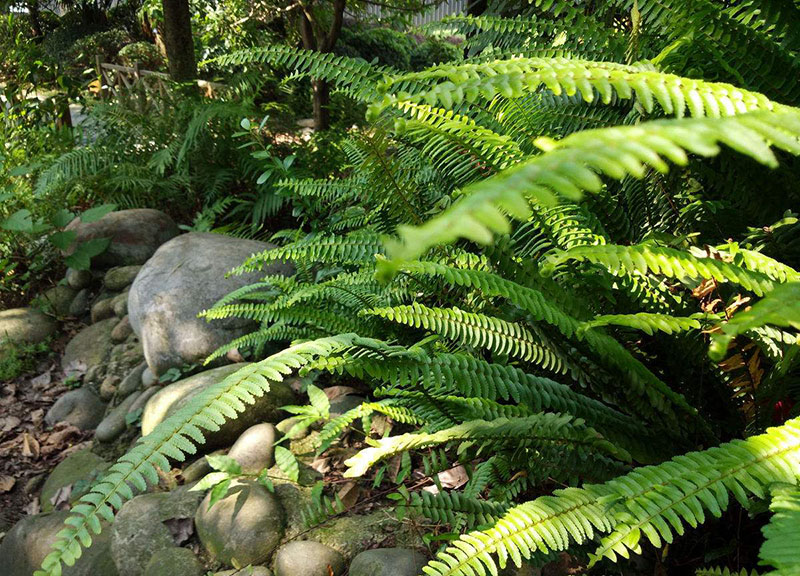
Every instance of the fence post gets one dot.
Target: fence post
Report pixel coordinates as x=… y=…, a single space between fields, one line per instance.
x=98 y=66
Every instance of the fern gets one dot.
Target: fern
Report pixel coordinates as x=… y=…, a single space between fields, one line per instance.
x=782 y=537
x=653 y=501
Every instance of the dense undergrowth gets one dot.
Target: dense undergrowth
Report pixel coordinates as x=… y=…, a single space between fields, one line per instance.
x=567 y=262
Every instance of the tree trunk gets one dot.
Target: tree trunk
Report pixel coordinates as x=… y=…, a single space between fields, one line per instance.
x=178 y=40
x=322 y=99
x=36 y=23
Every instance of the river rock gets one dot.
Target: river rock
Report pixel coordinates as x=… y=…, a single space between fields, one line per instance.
x=133 y=381
x=122 y=330
x=249 y=571
x=80 y=304
x=139 y=530
x=114 y=423
x=57 y=299
x=135 y=235
x=184 y=277
x=30 y=540
x=174 y=562
x=119 y=304
x=103 y=309
x=176 y=395
x=309 y=559
x=89 y=347
x=148 y=378
x=78 y=279
x=78 y=471
x=108 y=387
x=121 y=277
x=25 y=325
x=254 y=450
x=242 y=528
x=388 y=562
x=81 y=408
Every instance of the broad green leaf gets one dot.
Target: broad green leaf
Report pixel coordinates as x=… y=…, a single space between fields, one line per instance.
x=218 y=492
x=224 y=463
x=63 y=239
x=319 y=400
x=94 y=214
x=209 y=481
x=19 y=221
x=62 y=218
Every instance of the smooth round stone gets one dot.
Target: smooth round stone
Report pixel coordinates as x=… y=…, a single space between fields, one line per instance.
x=81 y=408
x=57 y=299
x=249 y=571
x=148 y=378
x=122 y=330
x=254 y=450
x=244 y=527
x=388 y=562
x=30 y=540
x=139 y=531
x=114 y=424
x=119 y=278
x=102 y=309
x=80 y=304
x=108 y=387
x=133 y=381
x=174 y=562
x=25 y=325
x=309 y=559
x=120 y=305
x=78 y=279
x=91 y=346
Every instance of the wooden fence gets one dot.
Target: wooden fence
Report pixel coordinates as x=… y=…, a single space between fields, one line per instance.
x=143 y=90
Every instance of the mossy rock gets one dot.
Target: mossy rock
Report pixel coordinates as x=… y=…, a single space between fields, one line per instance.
x=78 y=470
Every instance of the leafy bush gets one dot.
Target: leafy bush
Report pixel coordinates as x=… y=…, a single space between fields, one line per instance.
x=434 y=51
x=107 y=44
x=17 y=358
x=390 y=47
x=145 y=53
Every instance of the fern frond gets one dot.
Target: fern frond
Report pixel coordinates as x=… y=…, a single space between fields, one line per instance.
x=573 y=164
x=649 y=323
x=539 y=429
x=653 y=501
x=782 y=534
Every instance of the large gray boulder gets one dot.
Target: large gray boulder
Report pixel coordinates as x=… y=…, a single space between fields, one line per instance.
x=175 y=396
x=30 y=540
x=174 y=562
x=25 y=325
x=184 y=277
x=139 y=530
x=388 y=562
x=135 y=235
x=242 y=528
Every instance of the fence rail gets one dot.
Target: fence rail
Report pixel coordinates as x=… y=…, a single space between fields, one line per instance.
x=434 y=14
x=144 y=90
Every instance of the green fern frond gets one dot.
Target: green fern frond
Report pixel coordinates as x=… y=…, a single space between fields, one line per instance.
x=781 y=307
x=477 y=330
x=782 y=534
x=669 y=262
x=539 y=429
x=453 y=508
x=573 y=164
x=649 y=323
x=652 y=501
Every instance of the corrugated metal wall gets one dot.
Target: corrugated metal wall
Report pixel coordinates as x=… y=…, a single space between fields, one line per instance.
x=434 y=14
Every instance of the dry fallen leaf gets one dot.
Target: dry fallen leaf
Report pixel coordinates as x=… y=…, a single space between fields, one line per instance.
x=9 y=423
x=33 y=508
x=42 y=380
x=349 y=493
x=37 y=416
x=6 y=482
x=60 y=499
x=30 y=446
x=334 y=392
x=454 y=477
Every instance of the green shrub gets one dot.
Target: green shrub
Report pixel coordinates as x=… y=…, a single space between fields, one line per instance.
x=434 y=51
x=390 y=47
x=145 y=53
x=17 y=359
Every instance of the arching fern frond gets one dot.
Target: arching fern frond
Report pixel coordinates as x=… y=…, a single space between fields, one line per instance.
x=649 y=323
x=572 y=166
x=782 y=534
x=654 y=501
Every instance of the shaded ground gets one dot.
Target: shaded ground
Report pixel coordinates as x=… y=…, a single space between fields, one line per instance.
x=29 y=449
